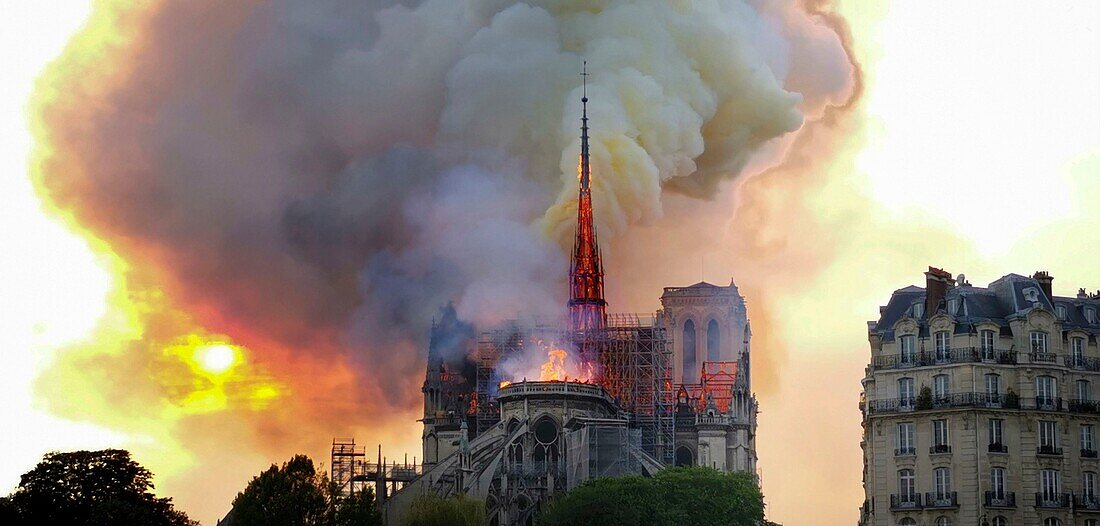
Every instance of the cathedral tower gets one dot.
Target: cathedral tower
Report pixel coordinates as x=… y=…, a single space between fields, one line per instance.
x=587 y=307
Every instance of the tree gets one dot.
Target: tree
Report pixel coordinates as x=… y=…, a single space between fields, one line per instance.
x=89 y=488
x=684 y=495
x=430 y=510
x=297 y=494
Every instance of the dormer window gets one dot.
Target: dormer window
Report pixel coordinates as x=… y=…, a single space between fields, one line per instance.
x=1038 y=342
x=1061 y=310
x=952 y=306
x=1090 y=315
x=918 y=310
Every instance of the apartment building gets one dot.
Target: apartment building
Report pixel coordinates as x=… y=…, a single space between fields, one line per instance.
x=980 y=406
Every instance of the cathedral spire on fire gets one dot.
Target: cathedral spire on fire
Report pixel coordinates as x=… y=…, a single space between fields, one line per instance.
x=587 y=307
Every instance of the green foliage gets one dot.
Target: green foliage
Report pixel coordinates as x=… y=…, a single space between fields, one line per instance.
x=89 y=488
x=924 y=399
x=430 y=510
x=675 y=496
x=299 y=495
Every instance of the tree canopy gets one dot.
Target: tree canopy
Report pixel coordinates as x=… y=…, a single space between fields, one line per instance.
x=102 y=488
x=297 y=494
x=675 y=496
x=429 y=510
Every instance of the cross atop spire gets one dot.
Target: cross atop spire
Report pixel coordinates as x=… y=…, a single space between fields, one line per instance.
x=587 y=307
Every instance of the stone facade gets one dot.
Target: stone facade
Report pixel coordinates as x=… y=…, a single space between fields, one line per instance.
x=979 y=408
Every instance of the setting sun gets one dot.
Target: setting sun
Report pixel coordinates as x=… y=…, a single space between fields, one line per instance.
x=216 y=359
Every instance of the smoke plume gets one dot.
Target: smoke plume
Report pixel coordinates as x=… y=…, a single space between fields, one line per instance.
x=313 y=180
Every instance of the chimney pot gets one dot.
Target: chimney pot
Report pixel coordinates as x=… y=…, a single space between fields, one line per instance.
x=1045 y=283
x=936 y=282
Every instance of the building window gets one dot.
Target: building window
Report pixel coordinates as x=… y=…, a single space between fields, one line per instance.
x=906 y=439
x=907 y=485
x=941 y=387
x=689 y=352
x=943 y=521
x=1046 y=391
x=1090 y=315
x=905 y=392
x=1077 y=350
x=684 y=456
x=999 y=521
x=1052 y=521
x=943 y=345
x=941 y=439
x=1086 y=438
x=1038 y=342
x=996 y=433
x=1048 y=436
x=918 y=310
x=1088 y=484
x=1084 y=391
x=997 y=483
x=908 y=349
x=1061 y=310
x=952 y=306
x=943 y=483
x=907 y=522
x=988 y=338
x=993 y=388
x=1048 y=484
x=714 y=338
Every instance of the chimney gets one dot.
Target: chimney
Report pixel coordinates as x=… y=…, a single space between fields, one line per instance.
x=936 y=283
x=1045 y=281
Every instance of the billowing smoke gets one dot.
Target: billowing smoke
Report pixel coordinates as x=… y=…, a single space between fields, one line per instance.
x=315 y=179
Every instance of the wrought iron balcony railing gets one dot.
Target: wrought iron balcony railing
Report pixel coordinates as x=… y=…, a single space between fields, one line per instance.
x=1048 y=450
x=942 y=357
x=998 y=448
x=1000 y=499
x=949 y=499
x=939 y=449
x=1086 y=363
x=904 y=451
x=1078 y=405
x=1086 y=502
x=1046 y=403
x=1053 y=500
x=899 y=405
x=1088 y=453
x=1043 y=357
x=906 y=501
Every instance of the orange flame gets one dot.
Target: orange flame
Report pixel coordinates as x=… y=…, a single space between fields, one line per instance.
x=554 y=367
x=504 y=384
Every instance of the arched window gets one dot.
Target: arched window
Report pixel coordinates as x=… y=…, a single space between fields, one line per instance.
x=943 y=521
x=907 y=522
x=684 y=456
x=1000 y=521
x=689 y=352
x=1052 y=521
x=714 y=338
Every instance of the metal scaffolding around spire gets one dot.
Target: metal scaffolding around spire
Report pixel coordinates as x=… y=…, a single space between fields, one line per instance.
x=587 y=307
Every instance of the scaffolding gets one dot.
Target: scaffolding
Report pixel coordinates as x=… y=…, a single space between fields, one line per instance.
x=633 y=358
x=349 y=466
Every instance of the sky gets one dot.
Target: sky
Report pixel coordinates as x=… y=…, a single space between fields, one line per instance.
x=974 y=145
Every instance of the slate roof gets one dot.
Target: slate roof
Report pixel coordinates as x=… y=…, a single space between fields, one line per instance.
x=1011 y=295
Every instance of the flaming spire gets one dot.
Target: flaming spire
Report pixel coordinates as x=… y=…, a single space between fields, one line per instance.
x=587 y=308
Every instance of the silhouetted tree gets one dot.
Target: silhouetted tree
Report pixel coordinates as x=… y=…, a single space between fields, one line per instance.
x=684 y=495
x=102 y=488
x=430 y=510
x=297 y=494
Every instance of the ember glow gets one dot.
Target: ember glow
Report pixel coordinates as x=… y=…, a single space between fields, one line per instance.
x=259 y=206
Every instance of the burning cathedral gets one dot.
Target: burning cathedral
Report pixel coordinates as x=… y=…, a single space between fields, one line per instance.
x=520 y=412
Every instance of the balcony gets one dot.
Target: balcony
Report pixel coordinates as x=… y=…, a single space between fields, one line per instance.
x=1043 y=357
x=1085 y=363
x=951 y=401
x=1086 y=503
x=1049 y=450
x=1088 y=453
x=949 y=356
x=939 y=449
x=1052 y=500
x=905 y=451
x=1078 y=405
x=998 y=448
x=1046 y=403
x=1000 y=499
x=941 y=500
x=905 y=502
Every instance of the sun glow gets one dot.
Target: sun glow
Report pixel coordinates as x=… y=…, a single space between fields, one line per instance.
x=216 y=359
